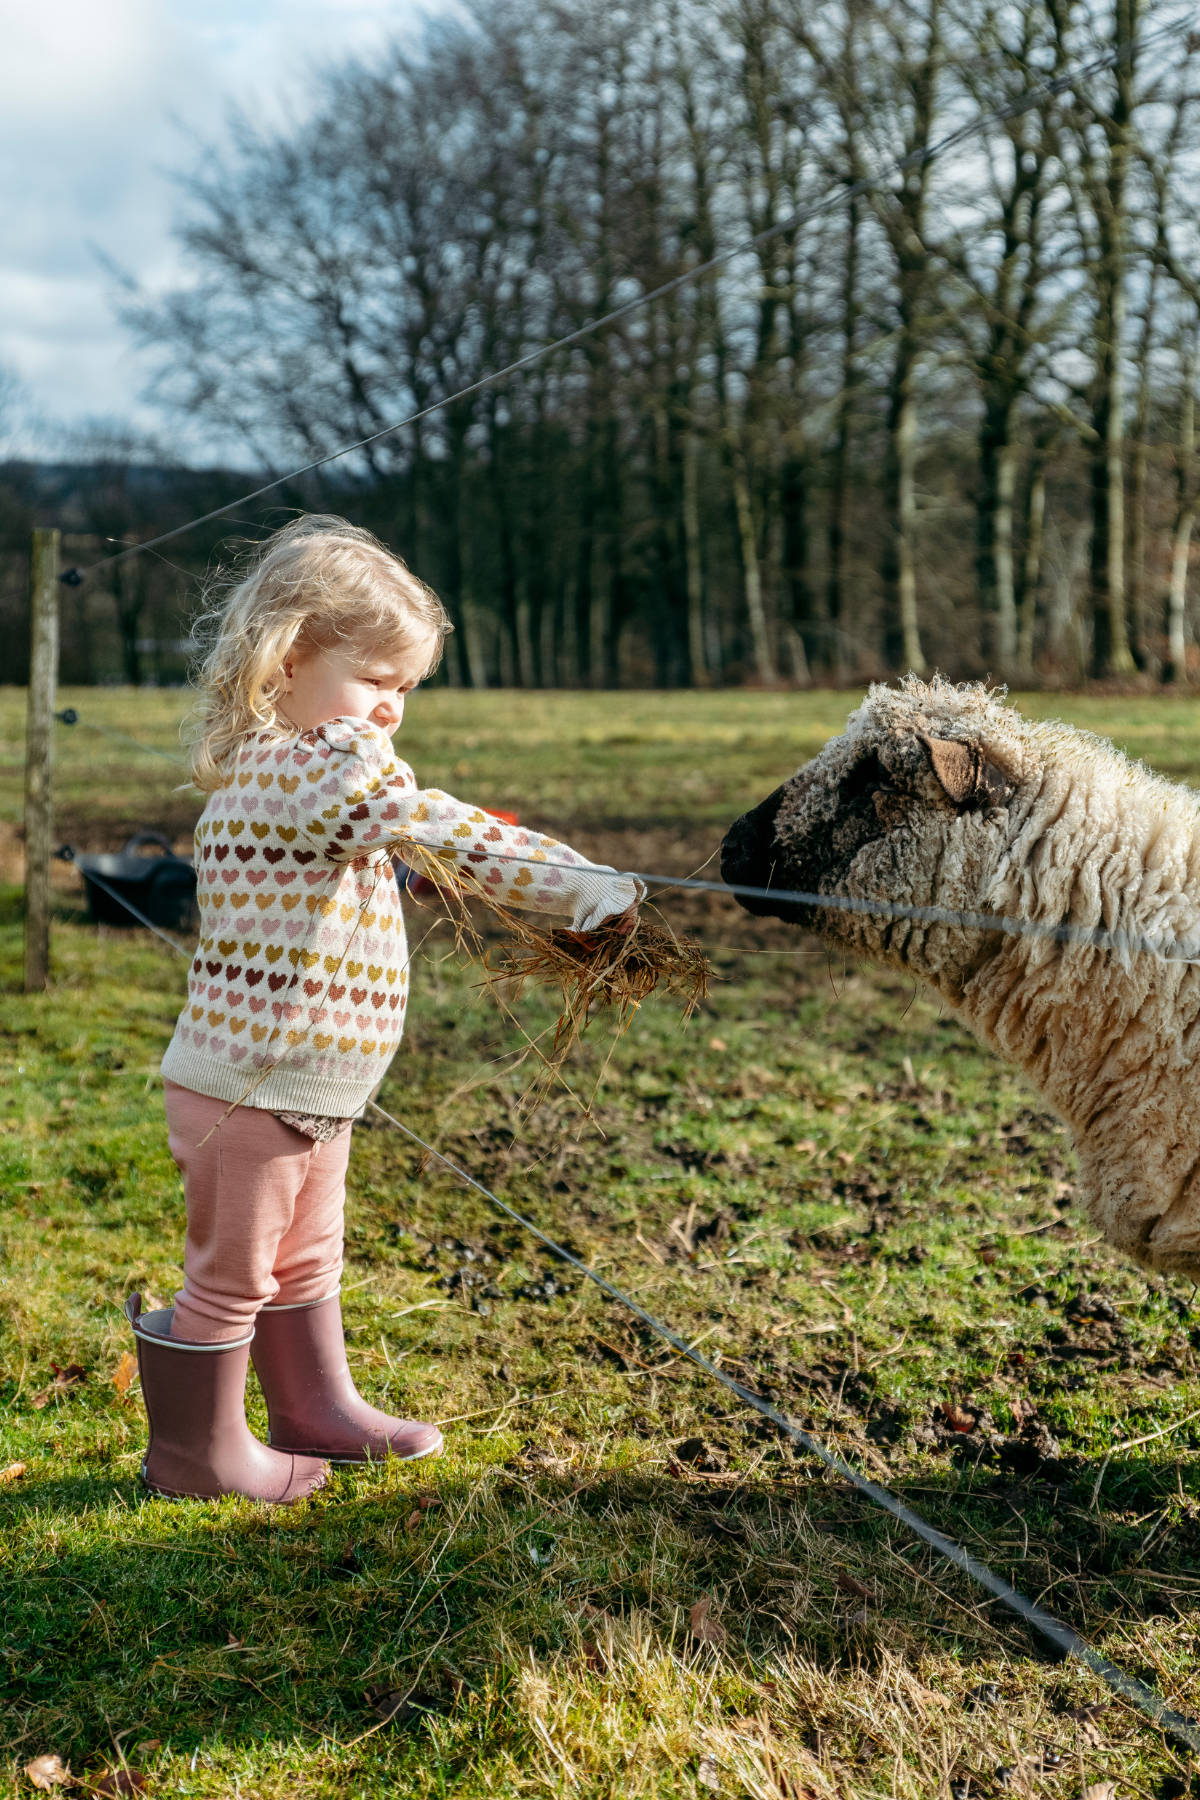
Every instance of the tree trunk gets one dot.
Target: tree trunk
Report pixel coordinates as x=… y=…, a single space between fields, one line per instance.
x=1006 y=600
x=807 y=631
x=1110 y=636
x=902 y=640
x=524 y=624
x=1176 y=669
x=764 y=662
x=548 y=655
x=472 y=640
x=1181 y=536
x=1138 y=645
x=600 y=587
x=695 y=573
x=570 y=669
x=994 y=532
x=1035 y=516
x=1110 y=647
x=839 y=494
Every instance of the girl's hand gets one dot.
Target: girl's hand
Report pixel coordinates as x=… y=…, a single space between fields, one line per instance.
x=625 y=922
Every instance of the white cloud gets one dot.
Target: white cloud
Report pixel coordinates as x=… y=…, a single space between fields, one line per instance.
x=99 y=99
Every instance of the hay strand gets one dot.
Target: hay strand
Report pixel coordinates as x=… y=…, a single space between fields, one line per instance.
x=614 y=967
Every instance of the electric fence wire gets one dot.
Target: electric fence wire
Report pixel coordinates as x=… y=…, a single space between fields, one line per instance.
x=1095 y=937
x=1173 y=1723
x=842 y=194
x=69 y=716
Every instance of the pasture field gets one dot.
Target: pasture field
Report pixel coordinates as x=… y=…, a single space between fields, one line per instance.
x=819 y=1178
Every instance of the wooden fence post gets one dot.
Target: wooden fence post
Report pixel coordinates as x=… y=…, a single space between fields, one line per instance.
x=39 y=753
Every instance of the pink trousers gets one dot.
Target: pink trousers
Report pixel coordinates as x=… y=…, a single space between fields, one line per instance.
x=264 y=1214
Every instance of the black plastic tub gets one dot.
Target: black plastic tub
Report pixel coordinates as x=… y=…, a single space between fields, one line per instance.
x=162 y=887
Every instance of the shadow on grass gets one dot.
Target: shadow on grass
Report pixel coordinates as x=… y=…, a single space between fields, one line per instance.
x=226 y=1629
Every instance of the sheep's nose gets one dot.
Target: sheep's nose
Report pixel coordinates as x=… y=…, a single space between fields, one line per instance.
x=750 y=853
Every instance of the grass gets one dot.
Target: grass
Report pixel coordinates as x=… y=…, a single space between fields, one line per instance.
x=849 y=1202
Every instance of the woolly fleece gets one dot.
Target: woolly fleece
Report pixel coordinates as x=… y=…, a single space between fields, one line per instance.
x=1057 y=827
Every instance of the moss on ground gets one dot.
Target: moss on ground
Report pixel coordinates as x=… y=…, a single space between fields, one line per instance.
x=820 y=1179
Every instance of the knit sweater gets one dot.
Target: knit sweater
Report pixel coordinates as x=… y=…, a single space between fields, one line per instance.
x=297 y=994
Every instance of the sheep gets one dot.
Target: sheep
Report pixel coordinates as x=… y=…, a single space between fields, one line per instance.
x=939 y=795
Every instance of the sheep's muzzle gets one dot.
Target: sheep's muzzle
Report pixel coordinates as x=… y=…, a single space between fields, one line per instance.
x=805 y=836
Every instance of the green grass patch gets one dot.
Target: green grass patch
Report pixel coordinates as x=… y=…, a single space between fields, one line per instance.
x=820 y=1180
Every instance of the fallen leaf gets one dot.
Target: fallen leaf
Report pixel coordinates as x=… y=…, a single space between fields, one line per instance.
x=403 y=1706
x=703 y=1626
x=125 y=1373
x=709 y=1458
x=848 y=1585
x=64 y=1379
x=806 y=1147
x=1100 y=1790
x=413 y=1520
x=116 y=1781
x=1086 y=1718
x=956 y=1418
x=708 y=1774
x=147 y=1747
x=48 y=1772
x=717 y=1044
x=13 y=1472
x=538 y=1456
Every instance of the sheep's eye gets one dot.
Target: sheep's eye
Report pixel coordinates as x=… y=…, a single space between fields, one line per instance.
x=864 y=781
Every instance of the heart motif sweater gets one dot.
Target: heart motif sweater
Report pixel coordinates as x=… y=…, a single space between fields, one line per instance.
x=299 y=986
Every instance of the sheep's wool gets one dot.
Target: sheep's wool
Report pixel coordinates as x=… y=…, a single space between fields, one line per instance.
x=1069 y=831
x=299 y=985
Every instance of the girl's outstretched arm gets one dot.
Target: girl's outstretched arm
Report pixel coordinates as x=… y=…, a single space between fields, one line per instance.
x=350 y=794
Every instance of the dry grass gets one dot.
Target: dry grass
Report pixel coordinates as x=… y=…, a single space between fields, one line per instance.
x=612 y=968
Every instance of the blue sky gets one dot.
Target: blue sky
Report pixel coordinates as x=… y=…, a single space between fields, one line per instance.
x=99 y=99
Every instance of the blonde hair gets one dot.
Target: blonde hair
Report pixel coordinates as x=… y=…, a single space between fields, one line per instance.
x=318 y=583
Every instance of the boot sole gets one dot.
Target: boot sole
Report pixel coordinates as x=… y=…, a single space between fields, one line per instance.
x=361 y=1461
x=166 y=1493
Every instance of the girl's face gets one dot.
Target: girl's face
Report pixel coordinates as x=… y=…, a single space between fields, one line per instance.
x=319 y=685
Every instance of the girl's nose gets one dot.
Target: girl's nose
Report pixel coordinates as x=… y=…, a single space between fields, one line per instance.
x=390 y=710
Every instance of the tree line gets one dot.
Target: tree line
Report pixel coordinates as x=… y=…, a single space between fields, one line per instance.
x=948 y=420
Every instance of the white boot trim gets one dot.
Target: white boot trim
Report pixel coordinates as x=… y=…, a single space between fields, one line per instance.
x=303 y=1305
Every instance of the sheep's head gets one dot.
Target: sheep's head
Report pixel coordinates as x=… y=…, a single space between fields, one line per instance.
x=914 y=804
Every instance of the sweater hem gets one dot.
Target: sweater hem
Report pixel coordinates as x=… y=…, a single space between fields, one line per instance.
x=283 y=1090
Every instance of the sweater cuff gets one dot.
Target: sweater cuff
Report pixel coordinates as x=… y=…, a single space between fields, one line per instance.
x=602 y=895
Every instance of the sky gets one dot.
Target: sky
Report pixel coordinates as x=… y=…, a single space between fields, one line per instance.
x=99 y=101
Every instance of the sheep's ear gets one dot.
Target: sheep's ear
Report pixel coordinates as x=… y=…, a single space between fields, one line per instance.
x=965 y=773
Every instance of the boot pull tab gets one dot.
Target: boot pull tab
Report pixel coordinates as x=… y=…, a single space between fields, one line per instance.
x=133 y=1309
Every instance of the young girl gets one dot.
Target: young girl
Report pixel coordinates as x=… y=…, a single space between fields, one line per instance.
x=296 y=1001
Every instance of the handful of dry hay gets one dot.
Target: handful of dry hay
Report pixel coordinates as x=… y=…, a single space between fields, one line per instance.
x=617 y=965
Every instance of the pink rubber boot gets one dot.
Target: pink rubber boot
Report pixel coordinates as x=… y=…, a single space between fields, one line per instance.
x=313 y=1405
x=200 y=1444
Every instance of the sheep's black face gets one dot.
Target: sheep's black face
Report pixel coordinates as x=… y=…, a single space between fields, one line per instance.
x=786 y=843
x=863 y=818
